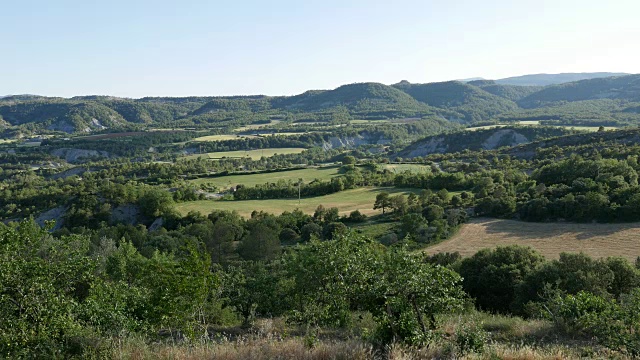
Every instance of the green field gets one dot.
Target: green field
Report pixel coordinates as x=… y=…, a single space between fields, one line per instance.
x=256 y=126
x=537 y=123
x=253 y=154
x=346 y=201
x=307 y=175
x=368 y=121
x=414 y=168
x=222 y=137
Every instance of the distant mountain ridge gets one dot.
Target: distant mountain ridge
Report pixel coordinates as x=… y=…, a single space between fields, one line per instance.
x=605 y=101
x=553 y=79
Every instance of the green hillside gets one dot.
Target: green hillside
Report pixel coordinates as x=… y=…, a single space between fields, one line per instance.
x=481 y=139
x=510 y=92
x=470 y=102
x=552 y=79
x=362 y=97
x=620 y=87
x=60 y=114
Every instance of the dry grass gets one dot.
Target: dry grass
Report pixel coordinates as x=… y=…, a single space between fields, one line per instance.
x=550 y=239
x=255 y=349
x=507 y=338
x=222 y=137
x=253 y=154
x=361 y=199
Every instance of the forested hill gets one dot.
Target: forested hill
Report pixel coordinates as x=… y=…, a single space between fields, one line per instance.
x=600 y=101
x=470 y=102
x=618 y=87
x=482 y=139
x=552 y=79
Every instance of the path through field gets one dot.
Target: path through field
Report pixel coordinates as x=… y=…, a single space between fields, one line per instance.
x=550 y=239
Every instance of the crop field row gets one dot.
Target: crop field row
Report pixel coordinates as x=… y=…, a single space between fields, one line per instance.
x=550 y=239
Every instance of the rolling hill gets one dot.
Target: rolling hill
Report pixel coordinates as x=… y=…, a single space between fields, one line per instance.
x=510 y=92
x=607 y=101
x=487 y=139
x=360 y=97
x=617 y=87
x=552 y=79
x=470 y=102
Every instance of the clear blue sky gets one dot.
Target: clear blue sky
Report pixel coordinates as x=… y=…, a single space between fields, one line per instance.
x=138 y=48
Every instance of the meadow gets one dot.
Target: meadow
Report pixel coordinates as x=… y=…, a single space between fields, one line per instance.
x=361 y=199
x=253 y=154
x=414 y=168
x=222 y=137
x=550 y=239
x=537 y=123
x=307 y=175
x=256 y=126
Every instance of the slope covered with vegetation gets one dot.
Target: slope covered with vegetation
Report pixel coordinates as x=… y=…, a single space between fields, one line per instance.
x=469 y=102
x=620 y=87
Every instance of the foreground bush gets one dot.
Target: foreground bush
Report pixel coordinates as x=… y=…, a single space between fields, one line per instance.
x=615 y=324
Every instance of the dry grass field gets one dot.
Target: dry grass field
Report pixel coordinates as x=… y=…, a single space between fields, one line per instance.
x=253 y=154
x=550 y=239
x=361 y=199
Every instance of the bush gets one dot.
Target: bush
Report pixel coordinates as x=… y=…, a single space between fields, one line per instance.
x=470 y=339
x=493 y=276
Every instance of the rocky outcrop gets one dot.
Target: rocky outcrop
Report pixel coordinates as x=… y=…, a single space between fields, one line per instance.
x=157 y=224
x=56 y=214
x=350 y=142
x=434 y=145
x=125 y=214
x=504 y=138
x=75 y=155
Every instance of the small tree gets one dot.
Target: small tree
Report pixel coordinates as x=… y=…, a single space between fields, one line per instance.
x=382 y=201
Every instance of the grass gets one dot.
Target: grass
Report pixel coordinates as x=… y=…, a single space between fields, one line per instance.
x=221 y=137
x=537 y=123
x=307 y=175
x=374 y=230
x=506 y=338
x=414 y=168
x=368 y=121
x=550 y=239
x=256 y=126
x=253 y=154
x=346 y=201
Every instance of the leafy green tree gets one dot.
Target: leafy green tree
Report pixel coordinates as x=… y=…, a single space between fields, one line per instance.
x=382 y=201
x=411 y=294
x=43 y=281
x=260 y=243
x=492 y=277
x=156 y=202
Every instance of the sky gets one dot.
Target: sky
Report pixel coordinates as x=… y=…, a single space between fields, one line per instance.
x=138 y=48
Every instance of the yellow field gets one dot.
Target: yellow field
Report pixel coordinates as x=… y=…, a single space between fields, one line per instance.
x=536 y=123
x=253 y=154
x=346 y=201
x=222 y=137
x=307 y=175
x=550 y=239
